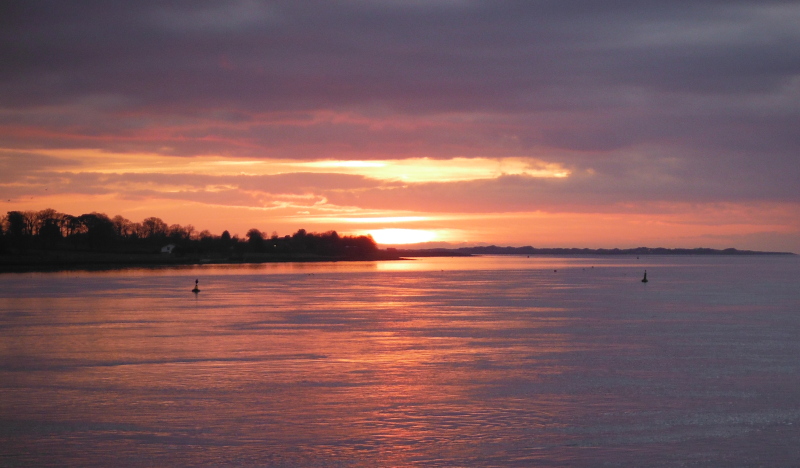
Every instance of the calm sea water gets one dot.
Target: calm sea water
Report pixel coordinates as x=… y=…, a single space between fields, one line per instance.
x=486 y=361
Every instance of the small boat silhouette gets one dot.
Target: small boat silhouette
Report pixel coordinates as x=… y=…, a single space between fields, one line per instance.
x=644 y=280
x=196 y=289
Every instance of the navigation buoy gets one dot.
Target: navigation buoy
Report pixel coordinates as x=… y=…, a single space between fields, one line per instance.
x=196 y=289
x=644 y=280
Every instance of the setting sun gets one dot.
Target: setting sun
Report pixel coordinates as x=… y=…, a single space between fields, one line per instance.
x=402 y=236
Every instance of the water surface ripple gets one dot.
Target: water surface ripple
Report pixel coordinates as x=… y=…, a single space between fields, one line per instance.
x=489 y=361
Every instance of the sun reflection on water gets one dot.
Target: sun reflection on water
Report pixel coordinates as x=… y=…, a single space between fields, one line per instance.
x=495 y=362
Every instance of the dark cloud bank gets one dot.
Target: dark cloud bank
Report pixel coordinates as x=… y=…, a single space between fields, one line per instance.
x=660 y=100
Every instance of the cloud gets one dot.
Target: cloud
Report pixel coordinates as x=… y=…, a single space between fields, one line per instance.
x=12 y=171
x=456 y=56
x=643 y=102
x=212 y=17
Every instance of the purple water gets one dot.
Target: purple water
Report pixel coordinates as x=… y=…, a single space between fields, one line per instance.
x=486 y=361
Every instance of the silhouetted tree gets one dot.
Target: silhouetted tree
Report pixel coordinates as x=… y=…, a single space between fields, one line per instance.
x=255 y=240
x=70 y=225
x=99 y=229
x=300 y=241
x=153 y=228
x=50 y=229
x=123 y=227
x=2 y=234
x=178 y=233
x=43 y=217
x=50 y=233
x=18 y=226
x=18 y=230
x=361 y=246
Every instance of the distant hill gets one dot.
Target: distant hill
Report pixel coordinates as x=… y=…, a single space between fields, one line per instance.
x=528 y=250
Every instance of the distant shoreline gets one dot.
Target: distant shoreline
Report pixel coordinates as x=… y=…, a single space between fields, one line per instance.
x=528 y=250
x=47 y=261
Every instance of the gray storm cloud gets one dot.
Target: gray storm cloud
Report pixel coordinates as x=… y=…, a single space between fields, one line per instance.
x=659 y=100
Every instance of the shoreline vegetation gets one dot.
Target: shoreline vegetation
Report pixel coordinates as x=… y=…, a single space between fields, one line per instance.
x=528 y=250
x=50 y=241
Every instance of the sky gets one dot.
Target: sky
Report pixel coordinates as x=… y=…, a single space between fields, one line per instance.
x=551 y=123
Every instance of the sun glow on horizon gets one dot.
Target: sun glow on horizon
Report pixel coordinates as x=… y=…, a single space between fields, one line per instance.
x=395 y=236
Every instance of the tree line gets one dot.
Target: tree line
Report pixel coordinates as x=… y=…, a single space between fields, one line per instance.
x=51 y=230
